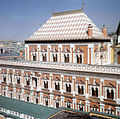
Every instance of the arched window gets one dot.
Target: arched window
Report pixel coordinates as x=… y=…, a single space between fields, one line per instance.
x=44 y=58
x=34 y=57
x=110 y=95
x=79 y=59
x=66 y=58
x=57 y=104
x=10 y=95
x=81 y=108
x=18 y=97
x=4 y=79
x=68 y=105
x=28 y=98
x=80 y=90
x=28 y=82
x=46 y=102
x=57 y=86
x=46 y=84
x=36 y=100
x=68 y=88
x=54 y=57
x=18 y=80
x=95 y=92
x=4 y=94
x=10 y=79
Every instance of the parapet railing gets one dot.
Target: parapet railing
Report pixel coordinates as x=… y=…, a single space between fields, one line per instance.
x=110 y=69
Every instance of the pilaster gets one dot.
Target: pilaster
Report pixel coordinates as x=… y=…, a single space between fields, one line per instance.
x=50 y=83
x=7 y=78
x=101 y=89
x=118 y=92
x=71 y=53
x=31 y=97
x=22 y=95
x=102 y=107
x=13 y=77
x=14 y=92
x=62 y=101
x=87 y=106
x=6 y=91
x=41 y=98
x=61 y=86
x=51 y=100
x=74 y=103
x=73 y=85
x=48 y=51
x=90 y=53
x=86 y=87
x=59 y=51
x=22 y=80
x=27 y=52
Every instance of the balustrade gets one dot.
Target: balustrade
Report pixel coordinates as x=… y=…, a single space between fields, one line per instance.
x=110 y=69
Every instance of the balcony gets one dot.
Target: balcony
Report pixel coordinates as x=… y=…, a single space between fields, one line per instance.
x=109 y=69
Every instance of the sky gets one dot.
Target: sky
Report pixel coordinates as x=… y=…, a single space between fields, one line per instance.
x=19 y=19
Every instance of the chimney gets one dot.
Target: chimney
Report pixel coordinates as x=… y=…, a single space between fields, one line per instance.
x=104 y=31
x=90 y=33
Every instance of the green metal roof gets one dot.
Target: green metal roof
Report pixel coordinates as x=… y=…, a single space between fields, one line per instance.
x=35 y=110
x=105 y=114
x=9 y=115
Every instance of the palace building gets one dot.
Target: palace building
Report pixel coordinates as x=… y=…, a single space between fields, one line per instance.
x=68 y=64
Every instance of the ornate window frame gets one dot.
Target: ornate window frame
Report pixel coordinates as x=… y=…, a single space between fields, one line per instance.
x=78 y=52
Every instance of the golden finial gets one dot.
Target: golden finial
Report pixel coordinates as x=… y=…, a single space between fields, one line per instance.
x=82 y=6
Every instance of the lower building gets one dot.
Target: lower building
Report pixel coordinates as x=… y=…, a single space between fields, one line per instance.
x=80 y=87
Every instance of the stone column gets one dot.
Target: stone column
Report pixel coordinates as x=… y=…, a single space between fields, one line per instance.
x=86 y=87
x=88 y=56
x=90 y=53
x=71 y=53
x=22 y=80
x=48 y=51
x=87 y=106
x=73 y=85
x=41 y=98
x=40 y=82
x=26 y=52
x=59 y=51
x=31 y=97
x=14 y=92
x=7 y=78
x=74 y=103
x=118 y=92
x=62 y=101
x=101 y=89
x=13 y=77
x=102 y=107
x=50 y=83
x=22 y=94
x=61 y=86
x=6 y=91
x=51 y=100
